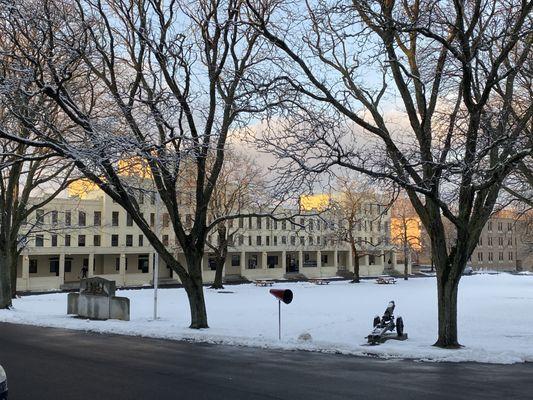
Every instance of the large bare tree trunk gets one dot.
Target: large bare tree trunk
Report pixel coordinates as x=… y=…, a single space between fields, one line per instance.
x=356 y=277
x=405 y=262
x=447 y=305
x=5 y=279
x=219 y=263
x=195 y=292
x=13 y=272
x=220 y=257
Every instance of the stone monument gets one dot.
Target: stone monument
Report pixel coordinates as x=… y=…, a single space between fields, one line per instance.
x=97 y=300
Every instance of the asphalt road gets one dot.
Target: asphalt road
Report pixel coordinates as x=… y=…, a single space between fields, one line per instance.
x=45 y=363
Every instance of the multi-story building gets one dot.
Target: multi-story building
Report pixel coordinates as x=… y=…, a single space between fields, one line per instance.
x=93 y=231
x=503 y=245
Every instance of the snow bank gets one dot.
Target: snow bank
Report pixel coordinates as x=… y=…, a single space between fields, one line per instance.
x=495 y=317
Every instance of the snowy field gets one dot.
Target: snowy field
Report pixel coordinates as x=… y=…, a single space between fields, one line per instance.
x=495 y=317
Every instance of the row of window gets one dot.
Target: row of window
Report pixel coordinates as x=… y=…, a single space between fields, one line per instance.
x=500 y=226
x=142 y=264
x=501 y=241
x=97 y=218
x=308 y=224
x=96 y=240
x=490 y=256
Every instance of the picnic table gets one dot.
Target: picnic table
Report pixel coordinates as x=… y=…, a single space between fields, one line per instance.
x=263 y=283
x=319 y=281
x=385 y=280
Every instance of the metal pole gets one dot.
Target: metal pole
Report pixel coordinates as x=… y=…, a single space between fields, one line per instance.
x=156 y=255
x=279 y=319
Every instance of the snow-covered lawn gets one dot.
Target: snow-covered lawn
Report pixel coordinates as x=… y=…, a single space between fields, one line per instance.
x=495 y=317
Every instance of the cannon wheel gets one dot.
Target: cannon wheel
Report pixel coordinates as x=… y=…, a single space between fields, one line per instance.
x=376 y=321
x=399 y=326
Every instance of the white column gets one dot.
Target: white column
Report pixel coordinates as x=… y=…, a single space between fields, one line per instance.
x=243 y=262
x=319 y=259
x=91 y=265
x=336 y=259
x=264 y=260
x=122 y=270
x=300 y=261
x=25 y=272
x=61 y=268
x=151 y=263
x=284 y=261
x=350 y=259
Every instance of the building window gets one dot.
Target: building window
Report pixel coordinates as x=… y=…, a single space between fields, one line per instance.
x=275 y=223
x=54 y=240
x=129 y=240
x=165 y=240
x=142 y=263
x=114 y=218
x=258 y=240
x=500 y=226
x=249 y=240
x=97 y=241
x=275 y=240
x=267 y=221
x=293 y=240
x=39 y=217
x=324 y=259
x=67 y=240
x=500 y=256
x=152 y=198
x=81 y=218
x=284 y=225
x=117 y=264
x=97 y=218
x=480 y=241
x=259 y=222
x=510 y=241
x=490 y=256
x=114 y=240
x=284 y=240
x=39 y=240
x=490 y=241
x=480 y=256
x=68 y=218
x=68 y=265
x=54 y=265
x=252 y=261
x=509 y=226
x=54 y=217
x=129 y=220
x=267 y=240
x=81 y=240
x=302 y=240
x=141 y=240
x=241 y=222
x=166 y=219
x=510 y=256
x=152 y=219
x=33 y=266
x=489 y=226
x=500 y=241
x=141 y=198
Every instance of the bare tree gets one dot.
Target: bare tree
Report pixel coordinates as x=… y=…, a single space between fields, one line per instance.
x=357 y=207
x=148 y=87
x=29 y=179
x=453 y=67
x=239 y=192
x=405 y=231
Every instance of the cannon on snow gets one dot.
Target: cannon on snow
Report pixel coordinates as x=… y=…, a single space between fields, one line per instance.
x=385 y=326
